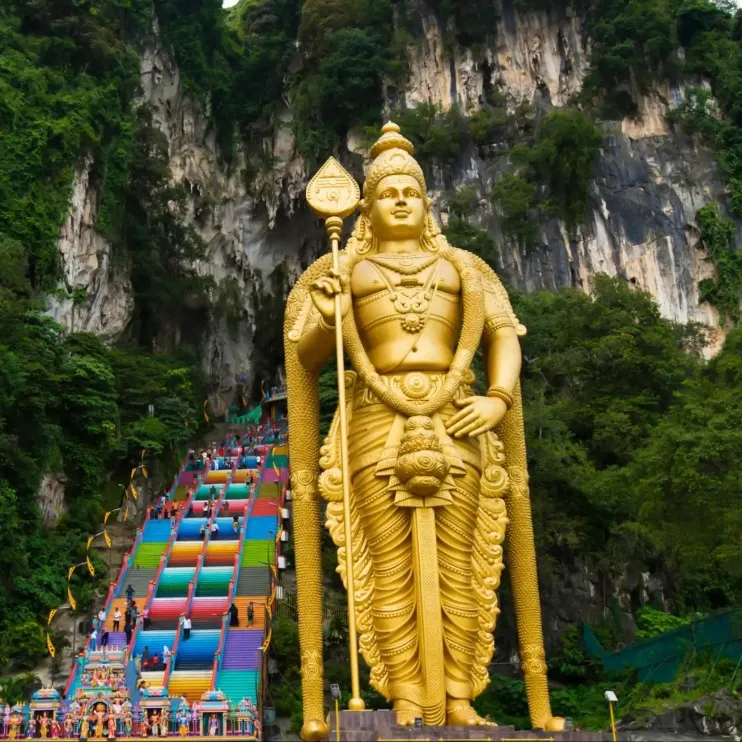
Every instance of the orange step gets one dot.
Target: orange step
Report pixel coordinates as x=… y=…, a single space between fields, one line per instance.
x=119 y=603
x=258 y=604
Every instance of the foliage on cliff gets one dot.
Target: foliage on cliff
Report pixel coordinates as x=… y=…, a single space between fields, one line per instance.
x=69 y=405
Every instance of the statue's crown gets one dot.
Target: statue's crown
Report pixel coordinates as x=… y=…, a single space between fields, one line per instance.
x=391 y=154
x=391 y=138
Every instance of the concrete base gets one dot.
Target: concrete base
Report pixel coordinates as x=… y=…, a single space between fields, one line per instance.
x=381 y=726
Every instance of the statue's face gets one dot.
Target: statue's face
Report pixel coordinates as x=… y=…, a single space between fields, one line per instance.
x=398 y=208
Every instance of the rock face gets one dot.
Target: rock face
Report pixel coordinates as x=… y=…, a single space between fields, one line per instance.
x=94 y=296
x=51 y=498
x=648 y=184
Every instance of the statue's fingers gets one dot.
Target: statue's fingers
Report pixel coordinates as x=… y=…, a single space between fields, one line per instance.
x=479 y=431
x=459 y=416
x=470 y=417
x=468 y=429
x=463 y=401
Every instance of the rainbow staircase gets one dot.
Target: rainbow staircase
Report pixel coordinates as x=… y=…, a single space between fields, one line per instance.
x=194 y=569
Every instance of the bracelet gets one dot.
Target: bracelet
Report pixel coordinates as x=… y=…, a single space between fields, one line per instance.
x=499 y=392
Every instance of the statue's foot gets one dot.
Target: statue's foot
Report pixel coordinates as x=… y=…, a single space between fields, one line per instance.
x=407 y=713
x=459 y=713
x=554 y=724
x=314 y=729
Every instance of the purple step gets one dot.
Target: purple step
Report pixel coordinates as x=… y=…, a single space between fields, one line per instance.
x=242 y=649
x=116 y=639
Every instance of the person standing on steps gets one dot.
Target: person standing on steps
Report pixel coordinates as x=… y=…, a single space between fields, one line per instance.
x=234 y=616
x=130 y=593
x=116 y=620
x=250 y=614
x=93 y=640
x=186 y=627
x=101 y=616
x=128 y=631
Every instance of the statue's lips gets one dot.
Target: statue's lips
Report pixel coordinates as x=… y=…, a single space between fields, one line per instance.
x=401 y=213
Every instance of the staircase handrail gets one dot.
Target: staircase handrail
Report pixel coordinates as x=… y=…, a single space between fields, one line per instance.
x=220 y=649
x=171 y=659
x=126 y=561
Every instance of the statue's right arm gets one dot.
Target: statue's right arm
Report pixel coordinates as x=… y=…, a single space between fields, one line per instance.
x=317 y=341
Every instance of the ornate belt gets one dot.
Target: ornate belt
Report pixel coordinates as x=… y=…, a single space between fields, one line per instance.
x=415 y=385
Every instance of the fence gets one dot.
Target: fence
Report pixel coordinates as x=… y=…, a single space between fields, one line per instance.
x=660 y=658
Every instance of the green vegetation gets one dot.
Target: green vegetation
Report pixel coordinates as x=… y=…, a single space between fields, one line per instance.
x=561 y=158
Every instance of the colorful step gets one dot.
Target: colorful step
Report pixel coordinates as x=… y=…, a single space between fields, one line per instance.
x=243 y=649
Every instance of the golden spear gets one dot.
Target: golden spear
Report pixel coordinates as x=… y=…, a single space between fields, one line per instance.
x=333 y=194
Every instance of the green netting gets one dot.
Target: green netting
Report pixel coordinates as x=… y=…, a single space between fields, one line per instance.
x=660 y=658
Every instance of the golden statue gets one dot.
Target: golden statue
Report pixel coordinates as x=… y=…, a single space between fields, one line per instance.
x=435 y=473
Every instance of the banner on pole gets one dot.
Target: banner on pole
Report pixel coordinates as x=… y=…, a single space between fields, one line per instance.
x=90 y=541
x=50 y=646
x=71 y=599
x=70 y=571
x=52 y=613
x=91 y=568
x=107 y=539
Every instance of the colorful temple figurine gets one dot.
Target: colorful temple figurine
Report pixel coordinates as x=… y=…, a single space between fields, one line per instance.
x=31 y=728
x=99 y=717
x=84 y=726
x=55 y=729
x=69 y=725
x=183 y=718
x=164 y=723
x=128 y=722
x=213 y=726
x=14 y=725
x=44 y=723
x=111 y=725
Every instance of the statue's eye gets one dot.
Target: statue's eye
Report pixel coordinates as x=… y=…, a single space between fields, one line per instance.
x=387 y=194
x=413 y=194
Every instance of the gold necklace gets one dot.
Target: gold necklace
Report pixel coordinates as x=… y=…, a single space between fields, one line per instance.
x=405 y=264
x=411 y=299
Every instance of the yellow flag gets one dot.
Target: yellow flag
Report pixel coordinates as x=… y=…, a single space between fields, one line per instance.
x=49 y=645
x=91 y=568
x=90 y=541
x=133 y=473
x=244 y=401
x=133 y=490
x=107 y=538
x=126 y=514
x=262 y=389
x=144 y=451
x=106 y=516
x=71 y=599
x=206 y=417
x=52 y=613
x=144 y=471
x=69 y=572
x=276 y=469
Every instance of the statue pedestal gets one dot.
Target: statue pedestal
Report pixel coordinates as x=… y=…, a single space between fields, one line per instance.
x=381 y=726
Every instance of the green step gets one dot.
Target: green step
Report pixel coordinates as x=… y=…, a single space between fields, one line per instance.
x=239 y=684
x=268 y=490
x=257 y=553
x=148 y=555
x=280 y=460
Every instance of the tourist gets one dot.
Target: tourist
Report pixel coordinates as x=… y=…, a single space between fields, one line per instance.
x=134 y=612
x=203 y=531
x=94 y=640
x=104 y=639
x=234 y=616
x=214 y=530
x=166 y=653
x=186 y=627
x=250 y=614
x=146 y=620
x=145 y=656
x=212 y=493
x=224 y=508
x=207 y=509
x=117 y=619
x=235 y=522
x=155 y=661
x=128 y=631
x=130 y=593
x=102 y=616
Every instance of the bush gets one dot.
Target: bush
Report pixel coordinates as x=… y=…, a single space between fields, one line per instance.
x=516 y=196
x=438 y=135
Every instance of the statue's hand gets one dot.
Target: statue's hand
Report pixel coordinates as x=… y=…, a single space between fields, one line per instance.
x=323 y=295
x=477 y=416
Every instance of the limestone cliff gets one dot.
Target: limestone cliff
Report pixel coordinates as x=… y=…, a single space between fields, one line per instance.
x=648 y=184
